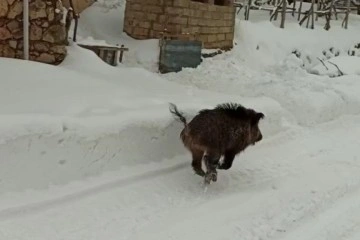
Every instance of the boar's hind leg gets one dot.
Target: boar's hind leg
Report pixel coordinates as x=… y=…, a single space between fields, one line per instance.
x=196 y=162
x=228 y=160
x=211 y=161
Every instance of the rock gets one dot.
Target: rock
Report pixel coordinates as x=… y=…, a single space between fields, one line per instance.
x=41 y=46
x=4 y=8
x=15 y=10
x=36 y=13
x=10 y=2
x=32 y=58
x=36 y=54
x=45 y=24
x=46 y=58
x=13 y=25
x=51 y=14
x=13 y=44
x=2 y=21
x=20 y=44
x=60 y=58
x=37 y=22
x=59 y=5
x=6 y=51
x=19 y=54
x=58 y=49
x=4 y=33
x=55 y=34
x=39 y=4
x=35 y=32
x=17 y=34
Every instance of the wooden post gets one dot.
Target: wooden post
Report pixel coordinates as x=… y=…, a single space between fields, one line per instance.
x=347 y=13
x=283 y=14
x=26 y=28
x=277 y=9
x=76 y=17
x=247 y=10
x=294 y=8
x=328 y=16
x=300 y=9
x=121 y=54
x=117 y=55
x=318 y=7
x=312 y=14
x=308 y=16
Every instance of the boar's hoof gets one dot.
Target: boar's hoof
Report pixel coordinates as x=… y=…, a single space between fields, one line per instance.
x=210 y=176
x=199 y=172
x=207 y=180
x=214 y=177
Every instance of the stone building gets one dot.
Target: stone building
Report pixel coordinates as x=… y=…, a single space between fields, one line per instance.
x=46 y=30
x=210 y=21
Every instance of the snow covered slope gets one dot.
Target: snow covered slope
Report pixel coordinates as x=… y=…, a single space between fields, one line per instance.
x=90 y=151
x=87 y=102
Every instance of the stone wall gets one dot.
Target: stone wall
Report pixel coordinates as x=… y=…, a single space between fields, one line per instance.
x=186 y=19
x=47 y=32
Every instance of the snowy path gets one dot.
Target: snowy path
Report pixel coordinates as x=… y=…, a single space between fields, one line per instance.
x=301 y=184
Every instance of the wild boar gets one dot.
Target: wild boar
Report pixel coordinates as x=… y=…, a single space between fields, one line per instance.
x=225 y=130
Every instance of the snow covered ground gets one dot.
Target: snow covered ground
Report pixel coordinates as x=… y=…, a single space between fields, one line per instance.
x=89 y=151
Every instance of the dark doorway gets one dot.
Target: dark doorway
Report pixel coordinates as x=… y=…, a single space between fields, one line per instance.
x=220 y=2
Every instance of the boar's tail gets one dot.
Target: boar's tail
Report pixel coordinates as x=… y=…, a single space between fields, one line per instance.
x=179 y=115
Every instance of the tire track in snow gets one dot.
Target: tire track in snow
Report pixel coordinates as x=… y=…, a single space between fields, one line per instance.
x=335 y=222
x=258 y=213
x=39 y=206
x=47 y=204
x=321 y=182
x=261 y=216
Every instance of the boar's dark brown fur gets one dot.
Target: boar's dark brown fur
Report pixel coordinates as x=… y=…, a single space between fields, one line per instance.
x=226 y=130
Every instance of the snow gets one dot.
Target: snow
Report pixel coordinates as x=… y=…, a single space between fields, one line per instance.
x=338 y=66
x=90 y=151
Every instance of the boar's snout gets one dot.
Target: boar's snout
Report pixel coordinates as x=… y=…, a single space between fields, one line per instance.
x=258 y=138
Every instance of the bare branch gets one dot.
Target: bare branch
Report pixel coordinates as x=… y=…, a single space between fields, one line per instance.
x=323 y=63
x=340 y=72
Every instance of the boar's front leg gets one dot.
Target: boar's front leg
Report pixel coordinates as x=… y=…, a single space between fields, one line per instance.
x=228 y=160
x=211 y=161
x=196 y=162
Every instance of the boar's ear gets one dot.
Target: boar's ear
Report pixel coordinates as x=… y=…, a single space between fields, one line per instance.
x=256 y=118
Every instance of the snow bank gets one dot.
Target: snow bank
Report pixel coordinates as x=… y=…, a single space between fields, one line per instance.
x=87 y=92
x=43 y=160
x=338 y=66
x=84 y=117
x=262 y=43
